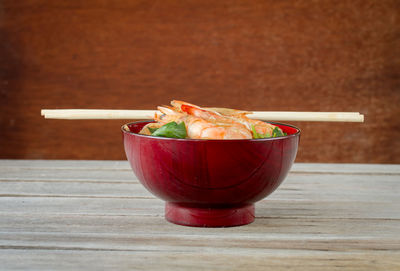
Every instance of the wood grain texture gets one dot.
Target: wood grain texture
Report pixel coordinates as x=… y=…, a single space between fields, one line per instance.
x=255 y=55
x=139 y=260
x=92 y=215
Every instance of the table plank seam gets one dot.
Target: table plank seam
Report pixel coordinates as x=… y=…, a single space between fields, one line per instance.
x=72 y=196
x=185 y=249
x=134 y=181
x=294 y=172
x=161 y=215
x=16 y=247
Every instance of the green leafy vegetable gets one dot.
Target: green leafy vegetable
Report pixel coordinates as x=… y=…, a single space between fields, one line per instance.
x=152 y=130
x=171 y=129
x=275 y=133
x=256 y=134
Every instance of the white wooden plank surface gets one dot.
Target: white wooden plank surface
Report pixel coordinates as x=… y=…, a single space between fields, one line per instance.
x=95 y=215
x=124 y=165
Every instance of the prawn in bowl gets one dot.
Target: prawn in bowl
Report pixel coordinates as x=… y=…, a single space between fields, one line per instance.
x=208 y=123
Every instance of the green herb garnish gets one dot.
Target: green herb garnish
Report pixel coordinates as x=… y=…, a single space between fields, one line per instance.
x=275 y=133
x=152 y=130
x=256 y=134
x=171 y=129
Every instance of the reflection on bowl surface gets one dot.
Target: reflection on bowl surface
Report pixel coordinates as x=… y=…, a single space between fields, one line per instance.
x=210 y=182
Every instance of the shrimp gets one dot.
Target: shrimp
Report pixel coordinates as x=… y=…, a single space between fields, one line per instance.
x=211 y=123
x=200 y=128
x=168 y=114
x=226 y=115
x=260 y=126
x=197 y=111
x=204 y=113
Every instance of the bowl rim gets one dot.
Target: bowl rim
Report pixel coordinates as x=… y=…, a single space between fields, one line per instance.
x=212 y=140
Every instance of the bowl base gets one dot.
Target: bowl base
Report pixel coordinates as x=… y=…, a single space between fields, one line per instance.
x=189 y=215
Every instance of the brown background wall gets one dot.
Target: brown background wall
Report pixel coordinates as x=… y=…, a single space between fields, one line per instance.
x=255 y=55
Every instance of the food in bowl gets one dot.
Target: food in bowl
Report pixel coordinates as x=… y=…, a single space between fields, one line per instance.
x=208 y=182
x=185 y=120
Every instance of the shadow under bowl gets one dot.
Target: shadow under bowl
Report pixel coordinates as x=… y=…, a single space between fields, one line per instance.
x=210 y=183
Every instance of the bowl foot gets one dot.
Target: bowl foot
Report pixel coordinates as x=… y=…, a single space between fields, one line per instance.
x=189 y=215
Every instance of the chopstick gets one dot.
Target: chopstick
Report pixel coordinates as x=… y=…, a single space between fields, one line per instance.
x=74 y=114
x=308 y=116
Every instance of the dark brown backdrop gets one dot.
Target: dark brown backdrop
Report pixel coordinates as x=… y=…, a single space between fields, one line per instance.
x=256 y=55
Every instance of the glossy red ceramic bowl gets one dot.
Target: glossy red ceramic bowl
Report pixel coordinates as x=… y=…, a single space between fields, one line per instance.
x=210 y=183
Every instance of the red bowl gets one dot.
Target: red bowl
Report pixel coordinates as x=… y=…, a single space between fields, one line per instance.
x=210 y=183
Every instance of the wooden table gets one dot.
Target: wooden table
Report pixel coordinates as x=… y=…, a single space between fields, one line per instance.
x=95 y=215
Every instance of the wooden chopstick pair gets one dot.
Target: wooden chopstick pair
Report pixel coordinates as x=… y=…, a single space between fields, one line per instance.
x=74 y=114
